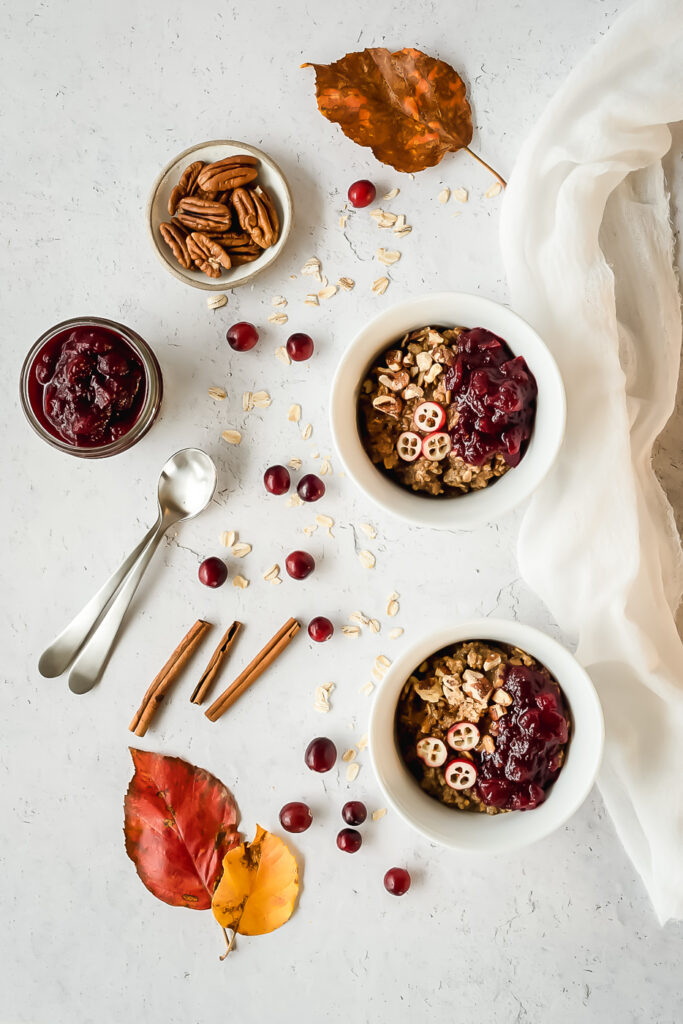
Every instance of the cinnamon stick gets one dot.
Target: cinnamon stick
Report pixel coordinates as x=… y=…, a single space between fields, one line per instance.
x=165 y=678
x=216 y=663
x=272 y=650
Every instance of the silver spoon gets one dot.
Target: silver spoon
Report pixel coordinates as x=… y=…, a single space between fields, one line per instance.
x=186 y=486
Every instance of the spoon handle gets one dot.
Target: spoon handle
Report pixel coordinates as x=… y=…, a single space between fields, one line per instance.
x=93 y=658
x=58 y=656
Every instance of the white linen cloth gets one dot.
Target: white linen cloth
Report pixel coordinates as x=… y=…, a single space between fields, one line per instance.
x=588 y=250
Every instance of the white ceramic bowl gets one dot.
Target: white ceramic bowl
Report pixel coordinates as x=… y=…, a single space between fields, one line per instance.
x=269 y=175
x=470 y=510
x=486 y=833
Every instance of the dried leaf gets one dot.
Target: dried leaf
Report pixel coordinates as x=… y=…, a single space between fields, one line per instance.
x=180 y=822
x=259 y=887
x=409 y=108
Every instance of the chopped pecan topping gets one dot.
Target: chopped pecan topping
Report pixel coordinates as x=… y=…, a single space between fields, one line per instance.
x=207 y=254
x=395 y=380
x=174 y=236
x=232 y=172
x=390 y=405
x=393 y=358
x=476 y=686
x=186 y=186
x=203 y=214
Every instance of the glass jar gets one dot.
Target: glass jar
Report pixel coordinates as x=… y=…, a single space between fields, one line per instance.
x=129 y=427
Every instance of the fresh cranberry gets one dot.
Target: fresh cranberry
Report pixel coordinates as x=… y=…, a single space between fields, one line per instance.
x=354 y=812
x=213 y=572
x=299 y=347
x=242 y=336
x=397 y=881
x=362 y=193
x=299 y=564
x=320 y=629
x=310 y=487
x=296 y=817
x=321 y=754
x=277 y=480
x=349 y=840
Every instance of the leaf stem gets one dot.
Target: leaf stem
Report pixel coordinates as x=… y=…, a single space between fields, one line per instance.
x=229 y=943
x=487 y=166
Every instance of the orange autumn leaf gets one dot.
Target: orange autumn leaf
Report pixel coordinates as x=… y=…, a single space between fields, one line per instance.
x=409 y=108
x=259 y=886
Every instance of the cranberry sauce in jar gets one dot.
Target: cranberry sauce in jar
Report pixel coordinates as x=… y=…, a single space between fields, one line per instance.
x=495 y=395
x=89 y=385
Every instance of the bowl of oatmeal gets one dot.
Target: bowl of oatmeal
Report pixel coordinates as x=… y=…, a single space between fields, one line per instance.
x=486 y=735
x=447 y=410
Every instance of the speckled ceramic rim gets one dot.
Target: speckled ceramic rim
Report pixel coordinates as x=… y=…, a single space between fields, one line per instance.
x=153 y=384
x=483 y=833
x=467 y=511
x=228 y=282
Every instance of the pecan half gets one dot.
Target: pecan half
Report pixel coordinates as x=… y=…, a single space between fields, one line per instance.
x=229 y=173
x=207 y=255
x=174 y=236
x=256 y=214
x=241 y=256
x=186 y=185
x=203 y=214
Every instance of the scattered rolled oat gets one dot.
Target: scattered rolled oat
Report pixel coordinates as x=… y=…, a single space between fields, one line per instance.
x=239 y=581
x=343 y=219
x=400 y=227
x=367 y=689
x=367 y=559
x=347 y=283
x=294 y=414
x=327 y=293
x=312 y=267
x=352 y=771
x=322 y=697
x=306 y=432
x=383 y=219
x=351 y=631
x=247 y=401
x=359 y=618
x=228 y=538
x=310 y=529
x=293 y=501
x=311 y=299
x=379 y=813
x=278 y=300
x=391 y=194
x=396 y=632
x=216 y=301
x=327 y=522
x=495 y=190
x=461 y=194
x=349 y=754
x=261 y=399
x=374 y=625
x=388 y=256
x=294 y=463
x=444 y=195
x=380 y=285
x=278 y=318
x=240 y=550
x=218 y=394
x=282 y=354
x=393 y=605
x=231 y=436
x=382 y=660
x=362 y=742
x=368 y=529
x=325 y=467
x=271 y=573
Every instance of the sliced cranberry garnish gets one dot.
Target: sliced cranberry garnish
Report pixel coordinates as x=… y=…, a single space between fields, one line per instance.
x=460 y=773
x=436 y=446
x=397 y=881
x=362 y=193
x=409 y=446
x=463 y=736
x=429 y=416
x=432 y=751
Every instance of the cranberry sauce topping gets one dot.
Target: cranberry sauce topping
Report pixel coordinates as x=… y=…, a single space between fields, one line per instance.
x=530 y=739
x=87 y=386
x=495 y=395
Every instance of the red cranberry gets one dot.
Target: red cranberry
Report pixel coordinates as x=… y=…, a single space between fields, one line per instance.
x=349 y=840
x=296 y=817
x=362 y=193
x=277 y=480
x=310 y=487
x=213 y=572
x=397 y=881
x=321 y=754
x=320 y=629
x=242 y=336
x=299 y=347
x=299 y=564
x=354 y=812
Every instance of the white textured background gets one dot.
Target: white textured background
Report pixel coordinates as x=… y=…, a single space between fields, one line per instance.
x=95 y=99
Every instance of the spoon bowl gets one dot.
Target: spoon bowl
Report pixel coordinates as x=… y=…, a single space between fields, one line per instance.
x=186 y=484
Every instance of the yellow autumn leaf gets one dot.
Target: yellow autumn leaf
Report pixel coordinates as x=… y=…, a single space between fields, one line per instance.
x=259 y=886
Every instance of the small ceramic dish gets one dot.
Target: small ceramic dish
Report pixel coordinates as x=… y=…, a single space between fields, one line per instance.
x=473 y=831
x=474 y=508
x=270 y=176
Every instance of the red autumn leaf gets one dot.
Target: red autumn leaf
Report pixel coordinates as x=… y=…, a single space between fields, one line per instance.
x=180 y=821
x=409 y=108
